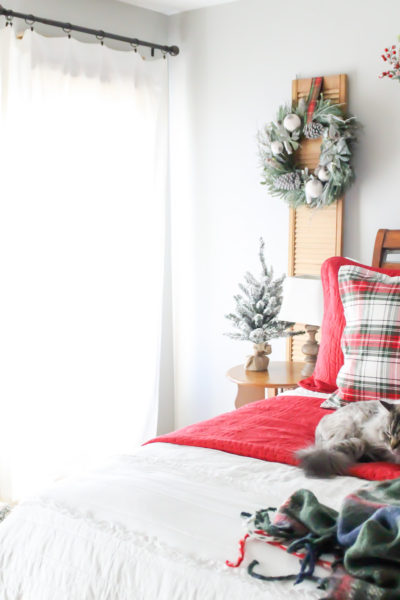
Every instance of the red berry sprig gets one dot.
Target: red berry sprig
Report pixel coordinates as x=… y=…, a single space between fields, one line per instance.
x=392 y=57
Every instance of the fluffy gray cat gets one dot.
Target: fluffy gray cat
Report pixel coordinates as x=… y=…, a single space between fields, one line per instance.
x=358 y=431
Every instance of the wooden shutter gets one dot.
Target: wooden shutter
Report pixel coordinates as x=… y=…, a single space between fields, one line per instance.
x=314 y=234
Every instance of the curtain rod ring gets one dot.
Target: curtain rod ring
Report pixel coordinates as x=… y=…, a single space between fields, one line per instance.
x=9 y=20
x=100 y=36
x=67 y=29
x=30 y=21
x=134 y=46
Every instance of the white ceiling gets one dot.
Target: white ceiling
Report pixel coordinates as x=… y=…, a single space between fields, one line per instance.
x=170 y=7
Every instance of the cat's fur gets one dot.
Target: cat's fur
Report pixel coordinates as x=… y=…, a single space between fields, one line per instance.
x=359 y=431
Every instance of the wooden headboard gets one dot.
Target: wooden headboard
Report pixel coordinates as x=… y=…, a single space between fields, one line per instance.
x=387 y=249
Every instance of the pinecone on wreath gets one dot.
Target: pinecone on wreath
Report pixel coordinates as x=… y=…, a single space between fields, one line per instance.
x=288 y=181
x=313 y=130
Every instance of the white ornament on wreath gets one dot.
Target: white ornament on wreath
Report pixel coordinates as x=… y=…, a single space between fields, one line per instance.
x=292 y=122
x=280 y=139
x=323 y=174
x=276 y=148
x=314 y=188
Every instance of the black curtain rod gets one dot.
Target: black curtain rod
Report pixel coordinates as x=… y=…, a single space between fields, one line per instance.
x=100 y=35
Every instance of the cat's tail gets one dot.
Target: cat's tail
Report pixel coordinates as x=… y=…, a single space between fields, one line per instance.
x=323 y=462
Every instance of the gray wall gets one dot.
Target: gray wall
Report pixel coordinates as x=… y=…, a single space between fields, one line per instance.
x=236 y=67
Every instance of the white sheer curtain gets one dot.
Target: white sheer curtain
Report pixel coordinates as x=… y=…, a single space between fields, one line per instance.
x=83 y=152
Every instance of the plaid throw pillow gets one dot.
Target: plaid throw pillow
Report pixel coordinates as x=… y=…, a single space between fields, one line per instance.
x=371 y=337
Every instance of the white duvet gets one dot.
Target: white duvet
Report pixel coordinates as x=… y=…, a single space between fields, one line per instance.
x=155 y=525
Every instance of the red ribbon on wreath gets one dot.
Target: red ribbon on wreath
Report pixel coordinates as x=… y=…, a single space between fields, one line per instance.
x=315 y=90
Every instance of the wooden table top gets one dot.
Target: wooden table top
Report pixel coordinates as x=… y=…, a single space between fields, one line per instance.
x=279 y=374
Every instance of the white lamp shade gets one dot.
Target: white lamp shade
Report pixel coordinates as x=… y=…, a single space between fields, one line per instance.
x=303 y=300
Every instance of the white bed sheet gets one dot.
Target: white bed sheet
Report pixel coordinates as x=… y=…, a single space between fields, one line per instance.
x=299 y=391
x=158 y=524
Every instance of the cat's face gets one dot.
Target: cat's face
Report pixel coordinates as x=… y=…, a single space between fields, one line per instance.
x=393 y=429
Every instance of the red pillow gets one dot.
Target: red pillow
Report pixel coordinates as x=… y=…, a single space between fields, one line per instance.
x=330 y=355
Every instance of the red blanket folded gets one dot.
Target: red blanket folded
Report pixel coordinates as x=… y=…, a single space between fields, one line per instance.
x=271 y=430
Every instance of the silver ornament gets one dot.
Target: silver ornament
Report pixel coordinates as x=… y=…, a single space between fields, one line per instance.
x=291 y=122
x=323 y=174
x=276 y=147
x=314 y=188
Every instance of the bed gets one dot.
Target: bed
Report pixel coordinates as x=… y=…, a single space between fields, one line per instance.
x=160 y=524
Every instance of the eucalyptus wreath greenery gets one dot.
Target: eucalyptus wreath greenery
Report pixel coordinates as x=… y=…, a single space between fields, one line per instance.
x=284 y=178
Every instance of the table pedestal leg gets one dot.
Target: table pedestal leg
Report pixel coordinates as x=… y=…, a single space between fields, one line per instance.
x=248 y=393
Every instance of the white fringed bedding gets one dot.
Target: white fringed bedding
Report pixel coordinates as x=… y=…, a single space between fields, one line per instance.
x=156 y=525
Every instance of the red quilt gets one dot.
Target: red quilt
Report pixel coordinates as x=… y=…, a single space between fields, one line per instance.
x=271 y=430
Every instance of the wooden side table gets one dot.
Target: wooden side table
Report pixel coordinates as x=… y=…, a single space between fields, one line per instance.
x=281 y=375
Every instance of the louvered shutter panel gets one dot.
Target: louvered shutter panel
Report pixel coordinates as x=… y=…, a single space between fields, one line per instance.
x=314 y=234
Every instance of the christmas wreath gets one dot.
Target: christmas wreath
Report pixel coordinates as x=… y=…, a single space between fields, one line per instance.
x=312 y=118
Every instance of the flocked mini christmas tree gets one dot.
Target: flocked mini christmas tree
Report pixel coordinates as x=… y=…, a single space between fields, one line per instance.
x=257 y=308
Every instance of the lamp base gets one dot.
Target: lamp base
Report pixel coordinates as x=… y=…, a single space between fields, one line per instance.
x=310 y=351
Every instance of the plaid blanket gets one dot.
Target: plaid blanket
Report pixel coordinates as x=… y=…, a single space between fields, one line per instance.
x=364 y=537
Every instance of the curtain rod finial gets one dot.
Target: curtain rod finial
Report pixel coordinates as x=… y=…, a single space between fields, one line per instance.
x=174 y=50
